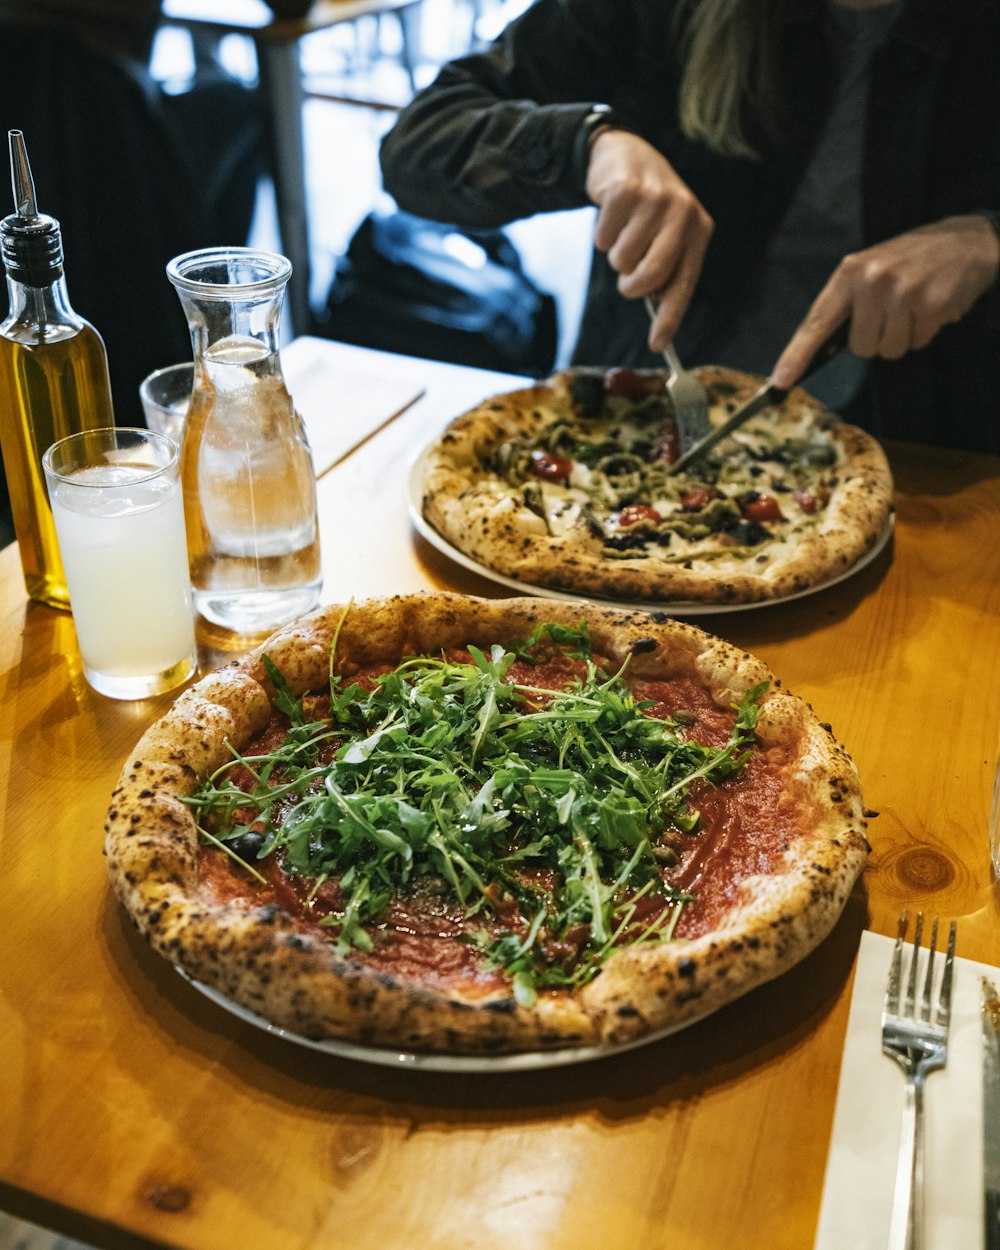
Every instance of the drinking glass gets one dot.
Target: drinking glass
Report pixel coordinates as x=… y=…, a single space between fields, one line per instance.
x=165 y=396
x=119 y=517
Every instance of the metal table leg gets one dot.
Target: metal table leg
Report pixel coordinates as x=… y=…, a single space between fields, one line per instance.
x=281 y=83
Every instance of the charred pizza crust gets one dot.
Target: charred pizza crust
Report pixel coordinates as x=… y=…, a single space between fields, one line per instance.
x=259 y=959
x=472 y=506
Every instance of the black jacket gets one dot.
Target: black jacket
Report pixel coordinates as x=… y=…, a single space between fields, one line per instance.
x=495 y=138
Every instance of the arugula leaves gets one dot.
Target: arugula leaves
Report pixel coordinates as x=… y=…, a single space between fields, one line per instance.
x=543 y=811
x=284 y=700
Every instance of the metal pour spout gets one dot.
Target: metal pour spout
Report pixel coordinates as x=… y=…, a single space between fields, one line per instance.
x=20 y=176
x=30 y=241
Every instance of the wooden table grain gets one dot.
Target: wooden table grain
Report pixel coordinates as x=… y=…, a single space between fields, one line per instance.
x=134 y=1112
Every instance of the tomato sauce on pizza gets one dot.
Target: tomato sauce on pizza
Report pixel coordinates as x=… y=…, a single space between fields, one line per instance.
x=473 y=826
x=423 y=933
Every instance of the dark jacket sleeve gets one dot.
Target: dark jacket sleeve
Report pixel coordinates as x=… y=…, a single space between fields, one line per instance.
x=492 y=138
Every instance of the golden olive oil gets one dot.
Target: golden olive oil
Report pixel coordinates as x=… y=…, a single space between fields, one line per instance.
x=48 y=389
x=53 y=375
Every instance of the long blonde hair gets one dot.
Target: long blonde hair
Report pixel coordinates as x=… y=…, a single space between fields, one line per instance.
x=727 y=48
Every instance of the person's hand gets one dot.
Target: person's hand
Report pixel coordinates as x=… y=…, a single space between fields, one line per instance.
x=898 y=294
x=649 y=223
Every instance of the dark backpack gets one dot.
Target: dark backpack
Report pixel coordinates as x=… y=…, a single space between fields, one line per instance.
x=426 y=289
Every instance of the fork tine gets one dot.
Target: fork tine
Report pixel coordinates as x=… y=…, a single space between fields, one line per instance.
x=919 y=1047
x=895 y=968
x=944 y=999
x=687 y=392
x=911 y=983
x=925 y=1002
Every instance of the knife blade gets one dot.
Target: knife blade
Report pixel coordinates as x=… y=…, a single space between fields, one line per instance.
x=767 y=394
x=991 y=1113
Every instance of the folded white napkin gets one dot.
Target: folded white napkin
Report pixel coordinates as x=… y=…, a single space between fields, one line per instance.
x=864 y=1148
x=343 y=398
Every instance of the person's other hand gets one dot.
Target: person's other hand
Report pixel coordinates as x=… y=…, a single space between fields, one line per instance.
x=649 y=223
x=898 y=294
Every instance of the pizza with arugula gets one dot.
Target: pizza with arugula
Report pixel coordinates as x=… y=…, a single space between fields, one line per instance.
x=476 y=827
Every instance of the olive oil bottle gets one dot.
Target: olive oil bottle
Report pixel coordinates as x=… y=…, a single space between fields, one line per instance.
x=53 y=376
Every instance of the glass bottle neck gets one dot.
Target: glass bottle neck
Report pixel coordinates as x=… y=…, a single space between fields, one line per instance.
x=40 y=314
x=236 y=331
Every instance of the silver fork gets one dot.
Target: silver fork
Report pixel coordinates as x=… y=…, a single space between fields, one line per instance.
x=688 y=396
x=917 y=1038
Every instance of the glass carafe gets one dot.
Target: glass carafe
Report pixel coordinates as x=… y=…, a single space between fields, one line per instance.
x=249 y=487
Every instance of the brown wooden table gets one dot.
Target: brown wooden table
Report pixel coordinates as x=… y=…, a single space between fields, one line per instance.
x=135 y=1112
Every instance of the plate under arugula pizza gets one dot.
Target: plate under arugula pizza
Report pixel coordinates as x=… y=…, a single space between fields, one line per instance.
x=480 y=827
x=567 y=484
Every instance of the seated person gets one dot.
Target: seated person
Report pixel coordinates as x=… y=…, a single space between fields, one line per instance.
x=766 y=170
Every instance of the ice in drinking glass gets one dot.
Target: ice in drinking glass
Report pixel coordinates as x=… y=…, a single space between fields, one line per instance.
x=121 y=535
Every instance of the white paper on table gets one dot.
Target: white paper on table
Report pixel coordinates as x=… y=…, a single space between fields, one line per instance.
x=864 y=1148
x=342 y=403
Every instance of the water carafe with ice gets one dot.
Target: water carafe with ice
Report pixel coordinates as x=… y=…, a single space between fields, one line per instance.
x=249 y=487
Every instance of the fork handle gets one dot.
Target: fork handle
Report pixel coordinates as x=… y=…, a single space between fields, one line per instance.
x=669 y=354
x=906 y=1231
x=673 y=360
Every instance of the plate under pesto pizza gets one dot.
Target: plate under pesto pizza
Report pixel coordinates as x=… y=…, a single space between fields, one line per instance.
x=469 y=827
x=567 y=484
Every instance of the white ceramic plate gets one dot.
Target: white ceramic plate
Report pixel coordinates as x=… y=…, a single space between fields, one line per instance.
x=415 y=493
x=522 y=1061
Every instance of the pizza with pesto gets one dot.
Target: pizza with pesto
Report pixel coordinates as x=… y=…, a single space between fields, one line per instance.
x=478 y=827
x=568 y=484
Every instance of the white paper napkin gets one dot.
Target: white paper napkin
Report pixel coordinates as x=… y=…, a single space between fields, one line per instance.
x=343 y=398
x=864 y=1148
